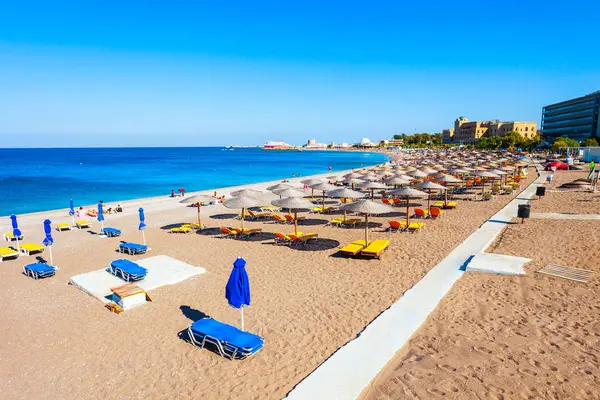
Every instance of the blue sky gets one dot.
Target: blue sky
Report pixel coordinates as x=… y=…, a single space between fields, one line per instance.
x=217 y=73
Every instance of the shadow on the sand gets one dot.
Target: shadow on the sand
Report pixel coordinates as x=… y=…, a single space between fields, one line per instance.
x=209 y=232
x=317 y=245
x=192 y=314
x=171 y=226
x=312 y=222
x=223 y=216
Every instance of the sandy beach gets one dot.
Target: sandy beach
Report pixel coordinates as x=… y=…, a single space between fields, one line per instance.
x=306 y=303
x=528 y=337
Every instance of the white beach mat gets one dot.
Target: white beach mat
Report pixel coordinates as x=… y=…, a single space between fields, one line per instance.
x=497 y=264
x=162 y=270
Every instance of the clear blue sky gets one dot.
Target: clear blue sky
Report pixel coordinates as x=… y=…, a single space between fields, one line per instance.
x=89 y=73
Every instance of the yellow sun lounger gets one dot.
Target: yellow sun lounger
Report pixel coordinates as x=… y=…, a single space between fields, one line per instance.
x=7 y=252
x=9 y=237
x=301 y=238
x=415 y=226
x=353 y=248
x=375 y=248
x=451 y=204
x=438 y=204
x=352 y=222
x=30 y=248
x=181 y=229
x=82 y=223
x=336 y=222
x=63 y=226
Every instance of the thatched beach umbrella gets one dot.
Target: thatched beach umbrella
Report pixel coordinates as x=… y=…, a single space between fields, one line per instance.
x=408 y=192
x=429 y=186
x=346 y=194
x=417 y=174
x=372 y=186
x=352 y=181
x=196 y=201
x=247 y=193
x=279 y=186
x=396 y=181
x=448 y=179
x=323 y=187
x=242 y=203
x=293 y=203
x=367 y=207
x=310 y=182
x=289 y=192
x=484 y=174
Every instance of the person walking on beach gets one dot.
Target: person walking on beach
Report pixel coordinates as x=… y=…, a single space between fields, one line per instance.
x=592 y=165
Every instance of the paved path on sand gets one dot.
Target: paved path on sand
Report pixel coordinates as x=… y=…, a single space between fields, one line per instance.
x=352 y=367
x=565 y=216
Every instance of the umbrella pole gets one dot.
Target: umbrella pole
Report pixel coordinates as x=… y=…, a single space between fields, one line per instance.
x=50 y=250
x=199 y=219
x=144 y=237
x=323 y=205
x=344 y=216
x=366 y=229
x=296 y=222
x=243 y=211
x=73 y=219
x=407 y=211
x=242 y=312
x=18 y=248
x=446 y=197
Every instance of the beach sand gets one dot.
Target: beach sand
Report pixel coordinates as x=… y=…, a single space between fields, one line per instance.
x=528 y=337
x=58 y=342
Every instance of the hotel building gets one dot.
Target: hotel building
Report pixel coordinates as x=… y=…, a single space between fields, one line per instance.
x=576 y=118
x=469 y=132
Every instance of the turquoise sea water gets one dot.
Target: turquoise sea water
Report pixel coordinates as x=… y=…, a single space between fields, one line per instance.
x=45 y=179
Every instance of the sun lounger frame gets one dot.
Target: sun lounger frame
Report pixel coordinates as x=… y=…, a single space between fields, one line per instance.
x=124 y=248
x=126 y=276
x=38 y=274
x=226 y=350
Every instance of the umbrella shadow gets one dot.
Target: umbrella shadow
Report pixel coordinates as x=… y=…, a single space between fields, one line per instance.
x=317 y=245
x=171 y=226
x=259 y=237
x=312 y=222
x=91 y=232
x=192 y=314
x=209 y=232
x=362 y=225
x=223 y=216
x=395 y=214
x=41 y=259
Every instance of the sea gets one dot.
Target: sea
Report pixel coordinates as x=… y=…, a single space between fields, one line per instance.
x=33 y=180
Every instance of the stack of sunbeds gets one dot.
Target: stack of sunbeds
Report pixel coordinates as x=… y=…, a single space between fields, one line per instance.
x=39 y=270
x=127 y=270
x=132 y=248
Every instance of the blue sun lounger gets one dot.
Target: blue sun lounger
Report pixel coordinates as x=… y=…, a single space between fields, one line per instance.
x=129 y=271
x=112 y=232
x=231 y=342
x=132 y=248
x=39 y=270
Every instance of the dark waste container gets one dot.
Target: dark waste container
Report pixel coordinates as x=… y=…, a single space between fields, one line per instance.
x=540 y=191
x=524 y=211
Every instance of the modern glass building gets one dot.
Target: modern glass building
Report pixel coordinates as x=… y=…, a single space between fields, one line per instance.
x=575 y=118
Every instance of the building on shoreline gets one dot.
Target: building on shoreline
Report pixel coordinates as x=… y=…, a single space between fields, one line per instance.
x=277 y=146
x=313 y=145
x=575 y=118
x=469 y=132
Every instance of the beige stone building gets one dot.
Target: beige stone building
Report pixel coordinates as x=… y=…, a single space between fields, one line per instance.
x=469 y=132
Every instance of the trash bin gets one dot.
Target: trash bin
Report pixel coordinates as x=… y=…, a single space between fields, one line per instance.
x=524 y=211
x=540 y=191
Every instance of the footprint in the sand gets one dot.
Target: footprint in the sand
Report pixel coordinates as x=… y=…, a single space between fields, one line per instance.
x=527 y=371
x=436 y=391
x=447 y=367
x=482 y=349
x=410 y=377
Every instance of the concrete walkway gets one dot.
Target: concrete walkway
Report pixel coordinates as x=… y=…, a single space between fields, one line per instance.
x=351 y=368
x=565 y=216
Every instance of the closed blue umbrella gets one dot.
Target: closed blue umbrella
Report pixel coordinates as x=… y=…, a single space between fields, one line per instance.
x=142 y=225
x=72 y=211
x=16 y=231
x=101 y=217
x=48 y=240
x=237 y=290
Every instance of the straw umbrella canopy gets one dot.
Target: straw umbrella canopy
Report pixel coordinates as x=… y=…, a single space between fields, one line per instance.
x=396 y=181
x=323 y=187
x=333 y=178
x=484 y=174
x=367 y=207
x=279 y=186
x=346 y=194
x=293 y=203
x=196 y=201
x=417 y=174
x=429 y=186
x=310 y=182
x=352 y=175
x=408 y=193
x=499 y=173
x=372 y=186
x=371 y=177
x=352 y=181
x=247 y=193
x=243 y=203
x=448 y=179
x=289 y=192
x=429 y=171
